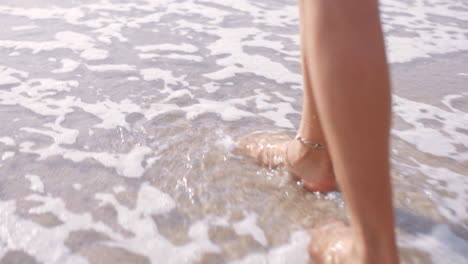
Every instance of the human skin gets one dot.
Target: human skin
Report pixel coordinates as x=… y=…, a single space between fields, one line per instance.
x=347 y=107
x=344 y=53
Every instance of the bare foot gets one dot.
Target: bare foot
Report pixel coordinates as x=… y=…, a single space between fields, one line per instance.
x=333 y=244
x=312 y=166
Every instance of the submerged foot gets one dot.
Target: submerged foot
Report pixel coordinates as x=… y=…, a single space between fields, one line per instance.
x=312 y=166
x=332 y=244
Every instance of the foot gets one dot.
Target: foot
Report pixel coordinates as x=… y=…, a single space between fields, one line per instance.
x=332 y=244
x=312 y=166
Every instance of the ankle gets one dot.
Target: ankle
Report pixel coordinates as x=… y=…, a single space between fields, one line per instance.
x=367 y=253
x=298 y=152
x=311 y=133
x=303 y=156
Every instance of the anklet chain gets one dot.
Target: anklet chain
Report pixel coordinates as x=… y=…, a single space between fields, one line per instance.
x=310 y=143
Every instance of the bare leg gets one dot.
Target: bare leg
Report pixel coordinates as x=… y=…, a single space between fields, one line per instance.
x=313 y=167
x=310 y=128
x=345 y=56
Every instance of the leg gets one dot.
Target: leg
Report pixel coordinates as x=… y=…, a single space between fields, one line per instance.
x=313 y=167
x=317 y=163
x=345 y=53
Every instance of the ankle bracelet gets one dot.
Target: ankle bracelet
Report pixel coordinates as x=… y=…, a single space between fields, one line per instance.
x=310 y=143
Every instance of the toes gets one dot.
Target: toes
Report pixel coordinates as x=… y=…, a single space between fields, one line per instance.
x=266 y=148
x=248 y=146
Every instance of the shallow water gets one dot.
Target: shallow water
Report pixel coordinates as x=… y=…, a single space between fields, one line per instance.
x=120 y=121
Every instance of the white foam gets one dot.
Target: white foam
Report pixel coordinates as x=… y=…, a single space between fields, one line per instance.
x=279 y=117
x=227 y=143
x=414 y=16
x=130 y=165
x=146 y=240
x=126 y=164
x=276 y=112
x=153 y=74
x=428 y=35
x=211 y=87
x=233 y=49
x=55 y=131
x=110 y=31
x=248 y=226
x=21 y=234
x=7 y=78
x=112 y=115
x=168 y=47
x=111 y=67
x=133 y=78
x=7 y=155
x=36 y=183
x=284 y=16
x=118 y=189
x=64 y=39
x=25 y=27
x=7 y=141
x=94 y=54
x=77 y=186
x=26 y=145
x=285 y=98
x=441 y=244
x=68 y=65
x=436 y=141
x=453 y=207
x=226 y=110
x=171 y=56
x=238 y=61
x=177 y=94
x=158 y=109
x=71 y=15
x=295 y=251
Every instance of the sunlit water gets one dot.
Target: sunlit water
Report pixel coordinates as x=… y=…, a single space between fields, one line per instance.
x=119 y=121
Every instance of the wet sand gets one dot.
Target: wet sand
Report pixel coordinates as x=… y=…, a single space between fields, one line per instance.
x=207 y=179
x=427 y=80
x=120 y=122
